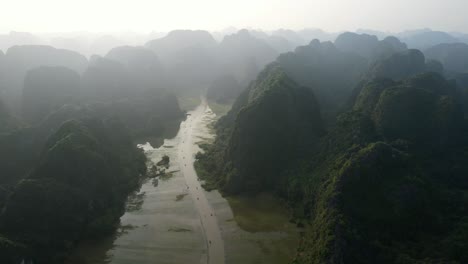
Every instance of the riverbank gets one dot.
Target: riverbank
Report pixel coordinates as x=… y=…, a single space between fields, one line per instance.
x=168 y=224
x=255 y=229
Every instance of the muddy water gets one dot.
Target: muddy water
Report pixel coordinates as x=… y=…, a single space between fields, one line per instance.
x=186 y=154
x=173 y=220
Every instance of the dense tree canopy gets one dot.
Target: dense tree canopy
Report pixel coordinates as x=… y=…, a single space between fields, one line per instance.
x=384 y=184
x=78 y=189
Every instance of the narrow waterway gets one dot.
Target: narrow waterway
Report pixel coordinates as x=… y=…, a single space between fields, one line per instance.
x=172 y=220
x=186 y=156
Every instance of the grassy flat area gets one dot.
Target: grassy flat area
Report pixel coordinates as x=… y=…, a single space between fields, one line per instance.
x=187 y=103
x=268 y=236
x=219 y=109
x=259 y=213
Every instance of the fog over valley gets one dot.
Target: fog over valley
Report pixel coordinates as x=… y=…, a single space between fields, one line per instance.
x=220 y=132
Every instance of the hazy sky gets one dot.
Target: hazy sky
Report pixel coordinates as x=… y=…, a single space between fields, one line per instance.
x=148 y=15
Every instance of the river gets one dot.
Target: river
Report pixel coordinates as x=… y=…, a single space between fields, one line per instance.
x=173 y=220
x=186 y=156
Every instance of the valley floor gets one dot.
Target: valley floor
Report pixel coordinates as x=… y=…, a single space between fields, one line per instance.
x=173 y=220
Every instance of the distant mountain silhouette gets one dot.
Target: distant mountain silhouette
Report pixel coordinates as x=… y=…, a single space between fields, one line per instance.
x=104 y=44
x=179 y=40
x=78 y=44
x=328 y=71
x=224 y=89
x=46 y=89
x=399 y=65
x=454 y=56
x=145 y=68
x=20 y=59
x=15 y=38
x=362 y=44
x=105 y=80
x=292 y=36
x=279 y=43
x=378 y=34
x=238 y=50
x=189 y=57
x=369 y=46
x=310 y=34
x=427 y=39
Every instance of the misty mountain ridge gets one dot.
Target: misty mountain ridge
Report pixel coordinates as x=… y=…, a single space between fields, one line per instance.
x=361 y=136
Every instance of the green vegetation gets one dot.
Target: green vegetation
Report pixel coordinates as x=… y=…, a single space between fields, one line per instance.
x=179 y=229
x=220 y=109
x=165 y=176
x=386 y=183
x=164 y=162
x=329 y=72
x=259 y=213
x=46 y=89
x=224 y=90
x=254 y=153
x=77 y=189
x=188 y=103
x=7 y=122
x=180 y=197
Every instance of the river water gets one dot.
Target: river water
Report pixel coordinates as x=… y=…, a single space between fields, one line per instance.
x=174 y=221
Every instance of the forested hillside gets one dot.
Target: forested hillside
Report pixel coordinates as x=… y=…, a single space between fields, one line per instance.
x=77 y=189
x=356 y=141
x=382 y=182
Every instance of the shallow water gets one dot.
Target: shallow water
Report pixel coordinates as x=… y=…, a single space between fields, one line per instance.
x=176 y=221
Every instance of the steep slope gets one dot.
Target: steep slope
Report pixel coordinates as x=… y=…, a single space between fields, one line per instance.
x=144 y=67
x=179 y=40
x=386 y=184
x=46 y=89
x=105 y=80
x=238 y=50
x=7 y=122
x=77 y=190
x=188 y=56
x=454 y=56
x=15 y=38
x=224 y=89
x=369 y=46
x=362 y=44
x=20 y=59
x=378 y=175
x=329 y=72
x=276 y=122
x=398 y=66
x=2 y=69
x=425 y=39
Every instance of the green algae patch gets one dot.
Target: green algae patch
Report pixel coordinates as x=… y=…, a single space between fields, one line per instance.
x=260 y=213
x=179 y=229
x=219 y=109
x=181 y=196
